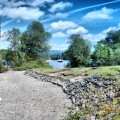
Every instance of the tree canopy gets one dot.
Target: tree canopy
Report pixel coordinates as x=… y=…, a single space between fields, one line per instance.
x=31 y=44
x=107 y=51
x=35 y=40
x=78 y=51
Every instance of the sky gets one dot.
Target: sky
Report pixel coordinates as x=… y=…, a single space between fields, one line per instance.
x=92 y=19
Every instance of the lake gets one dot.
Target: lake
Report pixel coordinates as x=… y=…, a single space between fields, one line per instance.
x=55 y=64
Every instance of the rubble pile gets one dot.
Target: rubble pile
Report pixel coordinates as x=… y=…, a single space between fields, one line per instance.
x=88 y=94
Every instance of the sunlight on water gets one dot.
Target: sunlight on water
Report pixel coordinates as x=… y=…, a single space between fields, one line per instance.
x=55 y=64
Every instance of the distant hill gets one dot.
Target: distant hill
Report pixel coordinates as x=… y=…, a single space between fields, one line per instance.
x=56 y=52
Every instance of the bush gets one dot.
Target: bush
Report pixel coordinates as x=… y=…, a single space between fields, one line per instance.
x=2 y=68
x=32 y=65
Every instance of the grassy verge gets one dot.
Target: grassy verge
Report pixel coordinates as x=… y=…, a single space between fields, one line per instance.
x=51 y=70
x=33 y=65
x=107 y=71
x=73 y=72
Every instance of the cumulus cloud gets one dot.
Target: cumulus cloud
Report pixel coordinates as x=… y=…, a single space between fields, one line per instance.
x=61 y=15
x=59 y=34
x=63 y=25
x=23 y=13
x=40 y=2
x=104 y=13
x=34 y=3
x=60 y=6
x=79 y=30
x=94 y=37
x=101 y=35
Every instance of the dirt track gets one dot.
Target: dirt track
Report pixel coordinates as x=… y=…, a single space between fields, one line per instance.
x=25 y=98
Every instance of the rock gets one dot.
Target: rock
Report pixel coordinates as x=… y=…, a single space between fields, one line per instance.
x=0 y=100
x=89 y=91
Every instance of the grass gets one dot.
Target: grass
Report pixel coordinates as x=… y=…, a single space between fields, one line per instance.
x=73 y=72
x=33 y=65
x=107 y=71
x=51 y=70
x=46 y=70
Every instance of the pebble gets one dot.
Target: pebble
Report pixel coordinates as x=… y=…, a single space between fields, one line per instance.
x=94 y=87
x=0 y=99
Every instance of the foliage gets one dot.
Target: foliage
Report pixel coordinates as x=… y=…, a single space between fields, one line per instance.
x=78 y=51
x=75 y=116
x=107 y=52
x=3 y=53
x=32 y=45
x=2 y=68
x=106 y=111
x=35 y=41
x=32 y=65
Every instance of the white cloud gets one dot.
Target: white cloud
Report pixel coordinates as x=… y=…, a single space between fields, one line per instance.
x=59 y=34
x=63 y=25
x=61 y=15
x=104 y=13
x=101 y=35
x=57 y=15
x=94 y=37
x=33 y=3
x=40 y=2
x=60 y=6
x=79 y=30
x=23 y=13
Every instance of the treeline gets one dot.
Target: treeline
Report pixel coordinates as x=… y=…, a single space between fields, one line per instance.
x=32 y=45
x=106 y=53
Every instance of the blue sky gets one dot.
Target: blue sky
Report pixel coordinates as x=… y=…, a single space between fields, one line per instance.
x=90 y=18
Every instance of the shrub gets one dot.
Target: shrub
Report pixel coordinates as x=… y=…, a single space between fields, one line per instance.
x=2 y=68
x=32 y=65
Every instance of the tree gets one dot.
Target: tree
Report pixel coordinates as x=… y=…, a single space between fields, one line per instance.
x=35 y=41
x=14 y=52
x=78 y=51
x=31 y=44
x=107 y=51
x=102 y=55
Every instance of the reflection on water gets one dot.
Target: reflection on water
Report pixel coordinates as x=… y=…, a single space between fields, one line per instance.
x=55 y=64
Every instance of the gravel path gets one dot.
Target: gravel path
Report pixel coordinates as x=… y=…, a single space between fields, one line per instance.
x=25 y=98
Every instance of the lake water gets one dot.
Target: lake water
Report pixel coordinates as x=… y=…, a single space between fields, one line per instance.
x=55 y=64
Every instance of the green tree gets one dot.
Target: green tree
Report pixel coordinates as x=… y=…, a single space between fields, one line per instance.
x=103 y=54
x=14 y=52
x=78 y=51
x=35 y=41
x=107 y=51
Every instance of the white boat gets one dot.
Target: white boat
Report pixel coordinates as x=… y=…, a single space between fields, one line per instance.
x=60 y=60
